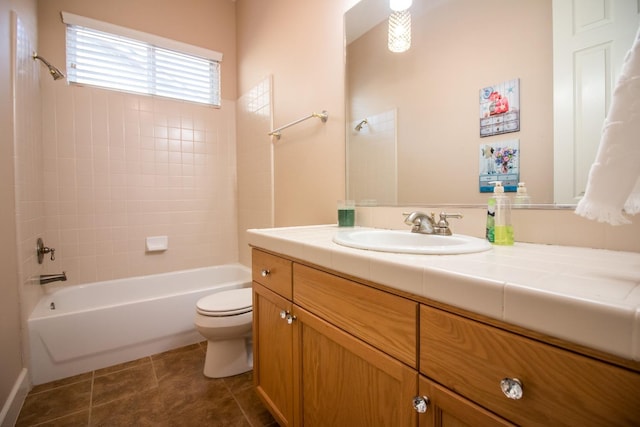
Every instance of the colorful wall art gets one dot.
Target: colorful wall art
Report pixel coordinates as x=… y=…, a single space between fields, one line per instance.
x=500 y=161
x=500 y=108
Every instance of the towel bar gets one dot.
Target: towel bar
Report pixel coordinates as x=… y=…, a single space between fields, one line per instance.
x=323 y=116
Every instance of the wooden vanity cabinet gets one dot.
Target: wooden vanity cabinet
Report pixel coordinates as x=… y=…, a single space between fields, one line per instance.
x=329 y=351
x=358 y=352
x=559 y=387
x=345 y=382
x=313 y=367
x=448 y=409
x=273 y=336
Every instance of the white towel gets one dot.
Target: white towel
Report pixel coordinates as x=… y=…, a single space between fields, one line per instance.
x=614 y=178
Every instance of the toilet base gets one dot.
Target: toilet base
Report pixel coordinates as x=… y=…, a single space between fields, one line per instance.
x=228 y=357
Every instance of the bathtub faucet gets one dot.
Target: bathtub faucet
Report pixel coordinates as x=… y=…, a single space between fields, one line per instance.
x=48 y=278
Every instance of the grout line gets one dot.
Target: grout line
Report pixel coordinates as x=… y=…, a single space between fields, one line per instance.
x=50 y=420
x=233 y=395
x=93 y=376
x=155 y=374
x=31 y=393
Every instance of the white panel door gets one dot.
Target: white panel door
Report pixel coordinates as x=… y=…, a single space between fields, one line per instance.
x=591 y=39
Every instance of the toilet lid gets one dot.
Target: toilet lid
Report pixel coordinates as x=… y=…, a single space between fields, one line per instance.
x=226 y=303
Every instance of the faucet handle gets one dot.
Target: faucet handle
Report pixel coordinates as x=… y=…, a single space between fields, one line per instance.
x=41 y=250
x=443 y=218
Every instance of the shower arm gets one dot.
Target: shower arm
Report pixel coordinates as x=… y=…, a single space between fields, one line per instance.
x=54 y=71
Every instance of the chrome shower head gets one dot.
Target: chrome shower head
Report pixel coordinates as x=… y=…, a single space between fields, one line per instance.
x=55 y=73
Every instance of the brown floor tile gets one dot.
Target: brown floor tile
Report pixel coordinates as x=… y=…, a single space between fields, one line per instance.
x=141 y=409
x=122 y=366
x=79 y=419
x=223 y=410
x=253 y=408
x=171 y=353
x=182 y=394
x=123 y=383
x=65 y=381
x=55 y=403
x=167 y=389
x=240 y=382
x=179 y=364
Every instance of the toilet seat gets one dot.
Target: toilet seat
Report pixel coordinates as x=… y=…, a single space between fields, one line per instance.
x=226 y=303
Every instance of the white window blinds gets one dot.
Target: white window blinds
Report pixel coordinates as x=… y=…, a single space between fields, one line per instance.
x=115 y=61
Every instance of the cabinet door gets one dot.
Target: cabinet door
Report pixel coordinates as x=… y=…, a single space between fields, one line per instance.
x=447 y=409
x=273 y=353
x=346 y=382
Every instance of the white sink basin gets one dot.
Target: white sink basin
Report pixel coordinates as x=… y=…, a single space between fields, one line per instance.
x=406 y=242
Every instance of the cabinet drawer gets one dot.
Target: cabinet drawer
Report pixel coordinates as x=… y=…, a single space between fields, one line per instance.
x=383 y=320
x=560 y=387
x=272 y=272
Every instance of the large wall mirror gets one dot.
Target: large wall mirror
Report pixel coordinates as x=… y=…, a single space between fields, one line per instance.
x=413 y=118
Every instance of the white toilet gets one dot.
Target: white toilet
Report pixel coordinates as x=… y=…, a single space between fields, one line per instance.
x=224 y=319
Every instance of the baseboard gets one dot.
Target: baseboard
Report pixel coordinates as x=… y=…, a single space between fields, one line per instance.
x=11 y=408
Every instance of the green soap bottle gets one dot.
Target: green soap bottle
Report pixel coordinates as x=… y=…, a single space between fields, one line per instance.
x=499 y=209
x=491 y=223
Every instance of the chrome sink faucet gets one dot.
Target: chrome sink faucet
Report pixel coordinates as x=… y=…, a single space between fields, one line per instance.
x=426 y=224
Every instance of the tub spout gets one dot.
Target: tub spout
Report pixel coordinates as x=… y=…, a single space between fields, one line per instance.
x=48 y=278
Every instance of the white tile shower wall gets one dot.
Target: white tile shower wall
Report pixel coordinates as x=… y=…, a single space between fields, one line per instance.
x=120 y=167
x=373 y=178
x=30 y=220
x=255 y=163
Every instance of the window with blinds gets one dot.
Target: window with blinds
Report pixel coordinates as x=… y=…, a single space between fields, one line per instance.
x=117 y=62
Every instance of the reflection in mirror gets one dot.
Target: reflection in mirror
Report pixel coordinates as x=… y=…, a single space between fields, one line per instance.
x=413 y=118
x=590 y=42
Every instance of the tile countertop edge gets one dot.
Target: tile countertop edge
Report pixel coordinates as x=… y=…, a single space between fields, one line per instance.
x=605 y=325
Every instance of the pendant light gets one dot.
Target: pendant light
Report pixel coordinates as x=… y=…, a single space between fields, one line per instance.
x=399 y=31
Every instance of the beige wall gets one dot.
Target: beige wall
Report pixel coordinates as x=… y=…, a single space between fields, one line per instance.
x=30 y=216
x=11 y=362
x=255 y=163
x=300 y=43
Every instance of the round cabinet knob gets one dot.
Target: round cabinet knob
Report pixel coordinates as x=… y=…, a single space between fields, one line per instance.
x=290 y=318
x=421 y=404
x=512 y=388
x=265 y=273
x=283 y=314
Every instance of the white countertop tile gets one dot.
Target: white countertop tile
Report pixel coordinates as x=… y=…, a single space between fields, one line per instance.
x=587 y=296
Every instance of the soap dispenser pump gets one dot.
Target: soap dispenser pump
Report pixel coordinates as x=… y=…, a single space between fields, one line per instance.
x=522 y=197
x=499 y=228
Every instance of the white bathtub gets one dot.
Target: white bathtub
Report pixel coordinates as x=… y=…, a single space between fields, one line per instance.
x=101 y=324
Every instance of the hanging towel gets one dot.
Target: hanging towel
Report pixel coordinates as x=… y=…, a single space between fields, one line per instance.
x=614 y=178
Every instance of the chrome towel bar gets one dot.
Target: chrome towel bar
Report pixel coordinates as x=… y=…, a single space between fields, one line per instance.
x=323 y=116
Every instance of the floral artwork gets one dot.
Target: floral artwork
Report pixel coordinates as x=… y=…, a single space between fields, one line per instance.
x=500 y=108
x=504 y=158
x=500 y=161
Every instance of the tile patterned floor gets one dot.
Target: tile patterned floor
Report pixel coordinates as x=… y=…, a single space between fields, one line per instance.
x=167 y=389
